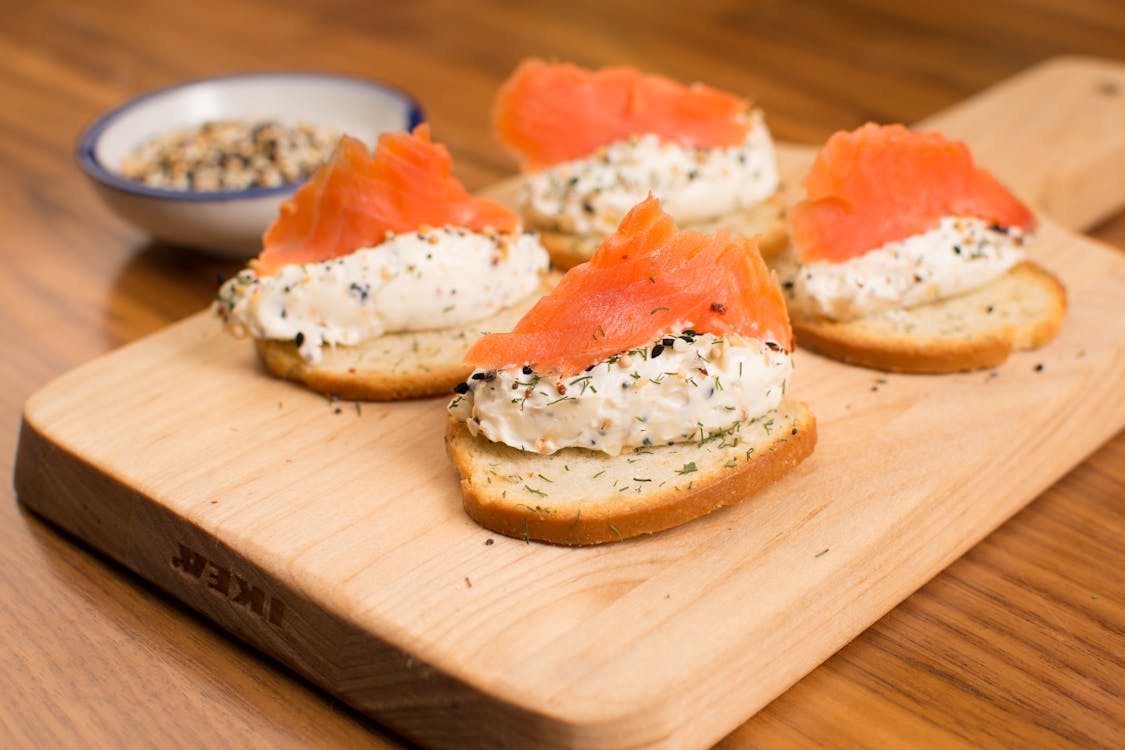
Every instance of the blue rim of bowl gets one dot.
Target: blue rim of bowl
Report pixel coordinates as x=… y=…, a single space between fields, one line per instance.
x=89 y=138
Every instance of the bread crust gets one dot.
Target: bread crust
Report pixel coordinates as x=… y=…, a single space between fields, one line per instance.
x=766 y=219
x=609 y=516
x=394 y=366
x=1024 y=309
x=282 y=359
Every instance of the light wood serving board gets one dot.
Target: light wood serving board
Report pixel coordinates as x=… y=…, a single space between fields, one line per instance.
x=332 y=536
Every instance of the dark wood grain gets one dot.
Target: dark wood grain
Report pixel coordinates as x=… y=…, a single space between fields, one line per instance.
x=1018 y=644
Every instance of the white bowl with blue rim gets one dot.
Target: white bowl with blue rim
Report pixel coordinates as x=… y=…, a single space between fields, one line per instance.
x=229 y=223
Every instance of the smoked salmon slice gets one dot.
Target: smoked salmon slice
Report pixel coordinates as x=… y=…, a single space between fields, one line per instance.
x=646 y=280
x=356 y=197
x=551 y=113
x=883 y=183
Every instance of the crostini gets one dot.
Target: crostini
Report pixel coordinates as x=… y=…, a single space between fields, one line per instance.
x=595 y=143
x=650 y=388
x=906 y=256
x=380 y=272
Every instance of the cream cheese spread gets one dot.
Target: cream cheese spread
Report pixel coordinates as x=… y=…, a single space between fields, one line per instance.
x=960 y=255
x=590 y=196
x=683 y=387
x=420 y=281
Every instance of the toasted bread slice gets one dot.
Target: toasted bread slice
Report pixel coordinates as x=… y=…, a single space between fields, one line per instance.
x=766 y=219
x=396 y=365
x=1023 y=309
x=577 y=497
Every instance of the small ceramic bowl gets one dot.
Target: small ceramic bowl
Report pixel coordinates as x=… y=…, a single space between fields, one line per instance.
x=229 y=223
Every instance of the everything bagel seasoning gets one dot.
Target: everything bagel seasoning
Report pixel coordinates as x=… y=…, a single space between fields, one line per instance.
x=231 y=155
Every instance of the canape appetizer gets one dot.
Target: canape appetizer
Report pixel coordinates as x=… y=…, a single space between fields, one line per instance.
x=594 y=144
x=906 y=256
x=650 y=388
x=380 y=272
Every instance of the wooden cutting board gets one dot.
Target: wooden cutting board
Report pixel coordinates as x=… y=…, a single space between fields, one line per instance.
x=330 y=535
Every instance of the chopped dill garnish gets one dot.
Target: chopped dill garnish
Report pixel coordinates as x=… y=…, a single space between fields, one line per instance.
x=640 y=479
x=822 y=553
x=598 y=474
x=731 y=462
x=721 y=434
x=620 y=538
x=545 y=479
x=534 y=491
x=655 y=310
x=688 y=468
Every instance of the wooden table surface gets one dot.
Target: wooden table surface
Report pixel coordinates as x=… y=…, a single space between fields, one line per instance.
x=1021 y=643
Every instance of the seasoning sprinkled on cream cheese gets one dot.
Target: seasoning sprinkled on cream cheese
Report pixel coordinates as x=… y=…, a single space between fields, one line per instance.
x=424 y=280
x=960 y=255
x=590 y=196
x=698 y=388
